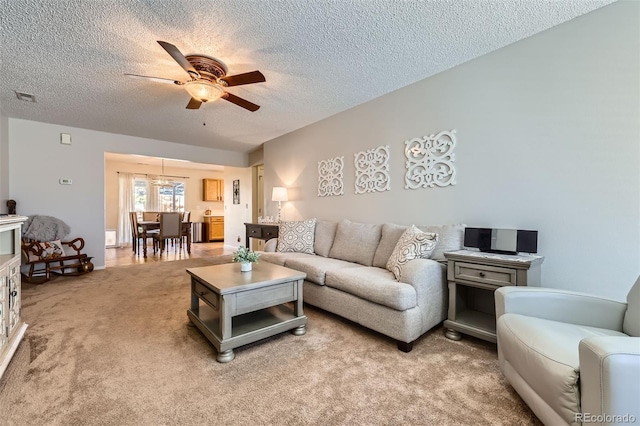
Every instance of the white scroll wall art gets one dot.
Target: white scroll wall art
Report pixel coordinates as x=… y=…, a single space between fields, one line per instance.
x=372 y=170
x=430 y=161
x=331 y=177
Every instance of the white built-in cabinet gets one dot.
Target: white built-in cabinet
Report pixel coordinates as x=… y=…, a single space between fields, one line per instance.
x=12 y=328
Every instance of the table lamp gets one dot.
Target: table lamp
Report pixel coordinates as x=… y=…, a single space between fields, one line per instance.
x=279 y=194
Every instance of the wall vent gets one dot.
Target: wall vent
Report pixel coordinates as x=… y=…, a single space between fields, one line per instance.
x=25 y=97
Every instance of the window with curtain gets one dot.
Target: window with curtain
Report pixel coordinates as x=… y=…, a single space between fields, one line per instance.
x=169 y=197
x=137 y=193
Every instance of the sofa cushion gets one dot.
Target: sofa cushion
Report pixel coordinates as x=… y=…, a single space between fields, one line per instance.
x=631 y=324
x=279 y=258
x=391 y=233
x=545 y=354
x=413 y=244
x=450 y=238
x=325 y=233
x=375 y=285
x=356 y=242
x=296 y=236
x=316 y=266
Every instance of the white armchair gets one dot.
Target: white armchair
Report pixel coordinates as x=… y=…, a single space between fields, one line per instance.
x=573 y=358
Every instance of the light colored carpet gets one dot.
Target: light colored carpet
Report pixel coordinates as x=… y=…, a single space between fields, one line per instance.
x=114 y=348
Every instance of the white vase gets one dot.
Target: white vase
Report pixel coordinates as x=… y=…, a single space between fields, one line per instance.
x=245 y=266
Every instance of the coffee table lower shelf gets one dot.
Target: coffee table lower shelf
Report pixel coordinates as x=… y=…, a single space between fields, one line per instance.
x=246 y=328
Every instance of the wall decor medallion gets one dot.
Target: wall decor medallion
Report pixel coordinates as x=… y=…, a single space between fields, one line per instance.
x=236 y=191
x=372 y=170
x=430 y=161
x=330 y=177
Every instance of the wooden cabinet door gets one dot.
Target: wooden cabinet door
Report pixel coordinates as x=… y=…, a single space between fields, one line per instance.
x=4 y=309
x=220 y=190
x=212 y=189
x=215 y=228
x=14 y=290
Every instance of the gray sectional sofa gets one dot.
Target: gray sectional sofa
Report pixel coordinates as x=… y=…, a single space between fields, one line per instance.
x=347 y=275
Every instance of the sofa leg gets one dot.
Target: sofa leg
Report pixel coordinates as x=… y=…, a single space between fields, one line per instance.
x=404 y=346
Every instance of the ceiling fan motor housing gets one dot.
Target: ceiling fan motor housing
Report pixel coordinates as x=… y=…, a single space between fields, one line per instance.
x=208 y=67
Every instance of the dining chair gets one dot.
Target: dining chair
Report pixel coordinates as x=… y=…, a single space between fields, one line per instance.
x=137 y=233
x=132 y=223
x=170 y=227
x=149 y=216
x=185 y=229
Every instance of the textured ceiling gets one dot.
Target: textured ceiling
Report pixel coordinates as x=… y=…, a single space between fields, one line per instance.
x=319 y=57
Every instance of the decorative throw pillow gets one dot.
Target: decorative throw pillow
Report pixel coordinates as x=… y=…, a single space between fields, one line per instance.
x=413 y=244
x=297 y=236
x=50 y=250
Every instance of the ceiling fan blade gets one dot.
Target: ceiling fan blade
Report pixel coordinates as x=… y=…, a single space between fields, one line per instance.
x=194 y=104
x=179 y=58
x=240 y=102
x=156 y=79
x=246 y=78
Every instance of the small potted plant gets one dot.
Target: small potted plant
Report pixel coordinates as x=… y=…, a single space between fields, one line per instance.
x=245 y=257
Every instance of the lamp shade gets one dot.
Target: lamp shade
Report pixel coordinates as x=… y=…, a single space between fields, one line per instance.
x=279 y=194
x=203 y=91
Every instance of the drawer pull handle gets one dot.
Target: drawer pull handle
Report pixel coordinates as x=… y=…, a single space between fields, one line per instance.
x=481 y=274
x=202 y=293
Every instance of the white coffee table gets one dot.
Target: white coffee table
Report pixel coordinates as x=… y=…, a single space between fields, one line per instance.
x=233 y=308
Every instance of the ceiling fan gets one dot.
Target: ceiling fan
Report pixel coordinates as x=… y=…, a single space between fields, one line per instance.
x=208 y=79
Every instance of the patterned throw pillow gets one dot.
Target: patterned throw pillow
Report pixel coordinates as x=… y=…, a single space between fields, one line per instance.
x=297 y=236
x=50 y=250
x=413 y=244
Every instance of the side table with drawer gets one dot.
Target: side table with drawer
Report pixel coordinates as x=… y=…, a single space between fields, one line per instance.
x=473 y=277
x=260 y=231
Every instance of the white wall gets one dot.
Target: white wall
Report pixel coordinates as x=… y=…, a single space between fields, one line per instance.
x=548 y=139
x=236 y=215
x=38 y=161
x=4 y=162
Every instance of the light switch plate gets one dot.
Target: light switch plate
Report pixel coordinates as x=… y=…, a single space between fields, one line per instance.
x=65 y=138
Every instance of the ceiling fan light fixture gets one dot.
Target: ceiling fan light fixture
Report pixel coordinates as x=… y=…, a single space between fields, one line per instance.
x=203 y=90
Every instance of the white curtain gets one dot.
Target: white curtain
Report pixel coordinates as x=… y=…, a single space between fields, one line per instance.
x=126 y=205
x=152 y=203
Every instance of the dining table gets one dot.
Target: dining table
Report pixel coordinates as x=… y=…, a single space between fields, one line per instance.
x=149 y=225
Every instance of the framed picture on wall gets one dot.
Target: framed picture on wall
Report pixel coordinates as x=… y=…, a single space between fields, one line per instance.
x=236 y=191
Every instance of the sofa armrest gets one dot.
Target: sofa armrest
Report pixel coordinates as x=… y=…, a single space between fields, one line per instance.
x=424 y=274
x=610 y=376
x=561 y=305
x=428 y=277
x=270 y=245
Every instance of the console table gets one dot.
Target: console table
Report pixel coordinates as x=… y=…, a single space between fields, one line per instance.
x=473 y=277
x=261 y=231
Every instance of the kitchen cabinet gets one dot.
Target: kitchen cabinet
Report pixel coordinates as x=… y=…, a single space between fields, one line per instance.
x=215 y=228
x=212 y=189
